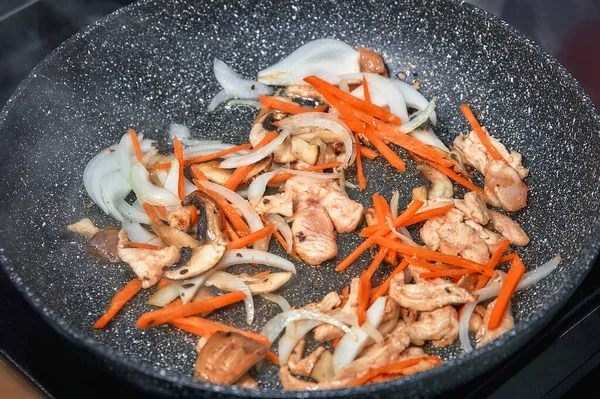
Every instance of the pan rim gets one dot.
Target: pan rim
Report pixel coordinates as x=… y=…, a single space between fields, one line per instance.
x=531 y=324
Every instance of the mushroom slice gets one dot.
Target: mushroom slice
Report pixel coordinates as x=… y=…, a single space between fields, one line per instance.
x=210 y=228
x=305 y=152
x=441 y=186
x=203 y=258
x=212 y=171
x=266 y=284
x=259 y=168
x=171 y=236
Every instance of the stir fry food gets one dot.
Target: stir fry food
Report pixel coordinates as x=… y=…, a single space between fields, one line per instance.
x=189 y=213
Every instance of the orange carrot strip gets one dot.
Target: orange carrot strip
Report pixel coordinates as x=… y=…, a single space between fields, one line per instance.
x=498 y=254
x=383 y=211
x=118 y=301
x=366 y=92
x=367 y=152
x=198 y=173
x=238 y=175
x=335 y=342
x=516 y=271
x=178 y=152
x=424 y=264
x=357 y=127
x=160 y=166
x=360 y=173
x=136 y=145
x=455 y=176
x=345 y=296
x=389 y=368
x=193 y=215
x=161 y=316
x=368 y=274
x=481 y=134
x=261 y=274
x=230 y=232
x=250 y=238
x=151 y=213
x=428 y=254
x=385 y=286
x=370 y=230
x=204 y=327
x=286 y=107
x=323 y=166
x=379 y=207
x=507 y=258
x=320 y=108
x=363 y=106
x=162 y=282
x=143 y=245
x=446 y=273
x=383 y=148
x=273 y=358
x=364 y=286
x=210 y=157
x=228 y=210
x=161 y=211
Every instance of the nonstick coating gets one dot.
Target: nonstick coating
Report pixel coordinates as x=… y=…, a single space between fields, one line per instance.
x=150 y=64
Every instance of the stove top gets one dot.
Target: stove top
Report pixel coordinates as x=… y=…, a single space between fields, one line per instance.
x=562 y=360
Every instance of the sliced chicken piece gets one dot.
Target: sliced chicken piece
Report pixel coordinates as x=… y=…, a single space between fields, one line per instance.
x=280 y=203
x=441 y=186
x=306 y=92
x=503 y=186
x=227 y=356
x=468 y=282
x=411 y=353
x=246 y=381
x=509 y=229
x=289 y=382
x=371 y=61
x=103 y=245
x=329 y=302
x=182 y=217
x=476 y=320
x=370 y=217
x=426 y=297
x=84 y=226
x=327 y=332
x=147 y=264
x=473 y=206
x=425 y=364
x=439 y=326
x=491 y=239
x=304 y=152
x=303 y=366
x=345 y=213
x=314 y=236
x=485 y=335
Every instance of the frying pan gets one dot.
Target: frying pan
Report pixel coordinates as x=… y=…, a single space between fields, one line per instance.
x=149 y=64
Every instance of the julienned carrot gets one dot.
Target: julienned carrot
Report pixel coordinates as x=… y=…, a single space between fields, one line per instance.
x=356 y=126
x=364 y=286
x=367 y=152
x=425 y=265
x=392 y=256
x=368 y=274
x=383 y=148
x=366 y=92
x=407 y=142
x=162 y=282
x=273 y=358
x=120 y=299
x=503 y=246
x=314 y=168
x=238 y=175
x=204 y=328
x=507 y=258
x=161 y=211
x=361 y=105
x=261 y=274
x=455 y=176
x=250 y=238
x=163 y=315
x=335 y=342
x=143 y=245
x=210 y=157
x=178 y=153
x=428 y=254
x=447 y=273
x=419 y=217
x=197 y=172
x=360 y=173
x=135 y=142
x=410 y=211
x=229 y=230
x=481 y=134
x=390 y=368
x=516 y=271
x=228 y=210
x=151 y=212
x=289 y=108
x=385 y=286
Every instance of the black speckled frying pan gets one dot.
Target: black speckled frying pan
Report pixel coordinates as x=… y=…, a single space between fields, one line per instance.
x=150 y=64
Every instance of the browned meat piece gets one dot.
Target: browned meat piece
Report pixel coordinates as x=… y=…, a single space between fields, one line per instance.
x=371 y=61
x=295 y=384
x=303 y=366
x=473 y=206
x=391 y=311
x=147 y=264
x=303 y=91
x=509 y=229
x=503 y=186
x=441 y=186
x=476 y=320
x=314 y=237
x=329 y=302
x=411 y=353
x=278 y=203
x=246 y=381
x=491 y=239
x=439 y=326
x=468 y=282
x=345 y=213
x=103 y=245
x=181 y=218
x=84 y=226
x=227 y=356
x=262 y=127
x=426 y=296
x=370 y=217
x=485 y=335
x=327 y=332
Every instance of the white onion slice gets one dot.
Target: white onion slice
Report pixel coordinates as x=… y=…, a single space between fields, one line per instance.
x=244 y=256
x=181 y=131
x=418 y=119
x=293 y=333
x=320 y=176
x=249 y=103
x=203 y=149
x=429 y=138
x=326 y=58
x=231 y=282
x=220 y=97
x=131 y=212
x=166 y=294
x=146 y=191
x=257 y=188
x=253 y=157
x=394 y=204
x=100 y=165
x=285 y=230
x=324 y=121
x=189 y=287
x=279 y=300
x=172 y=180
x=136 y=233
x=252 y=218
x=114 y=186
x=372 y=332
x=539 y=273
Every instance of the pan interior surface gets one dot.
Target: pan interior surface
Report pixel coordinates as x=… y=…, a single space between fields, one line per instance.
x=150 y=65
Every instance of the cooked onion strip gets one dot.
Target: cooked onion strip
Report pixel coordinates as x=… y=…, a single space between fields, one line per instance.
x=278 y=299
x=253 y=157
x=231 y=282
x=281 y=225
x=245 y=256
x=257 y=188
